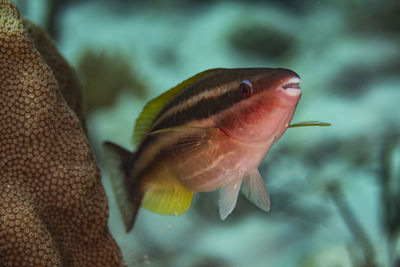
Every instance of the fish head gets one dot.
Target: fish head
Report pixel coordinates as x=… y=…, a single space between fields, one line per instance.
x=264 y=105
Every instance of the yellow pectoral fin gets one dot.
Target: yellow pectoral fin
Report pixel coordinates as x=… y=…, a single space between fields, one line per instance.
x=168 y=200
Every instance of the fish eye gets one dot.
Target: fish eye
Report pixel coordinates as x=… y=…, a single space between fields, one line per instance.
x=246 y=88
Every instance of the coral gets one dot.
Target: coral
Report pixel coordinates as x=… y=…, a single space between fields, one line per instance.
x=68 y=83
x=53 y=208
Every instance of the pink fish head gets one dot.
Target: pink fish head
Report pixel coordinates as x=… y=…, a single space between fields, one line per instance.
x=267 y=104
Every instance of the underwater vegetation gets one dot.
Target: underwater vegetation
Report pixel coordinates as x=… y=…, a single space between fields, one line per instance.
x=389 y=182
x=53 y=208
x=276 y=43
x=104 y=76
x=388 y=179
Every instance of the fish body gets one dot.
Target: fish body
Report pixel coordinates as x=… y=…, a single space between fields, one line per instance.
x=210 y=132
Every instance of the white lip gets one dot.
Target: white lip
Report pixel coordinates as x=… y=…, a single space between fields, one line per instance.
x=291 y=87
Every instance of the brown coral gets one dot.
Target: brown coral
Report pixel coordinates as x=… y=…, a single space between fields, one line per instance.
x=53 y=209
x=67 y=80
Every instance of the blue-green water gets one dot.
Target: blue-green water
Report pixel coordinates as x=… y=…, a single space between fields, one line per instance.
x=347 y=54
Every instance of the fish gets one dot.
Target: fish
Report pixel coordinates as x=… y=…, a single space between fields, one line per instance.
x=210 y=132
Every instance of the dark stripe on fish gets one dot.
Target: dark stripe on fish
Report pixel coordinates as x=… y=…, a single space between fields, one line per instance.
x=201 y=110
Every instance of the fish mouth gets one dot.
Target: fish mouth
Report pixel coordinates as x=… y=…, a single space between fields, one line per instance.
x=291 y=87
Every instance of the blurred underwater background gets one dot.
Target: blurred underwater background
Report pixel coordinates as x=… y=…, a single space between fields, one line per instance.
x=335 y=191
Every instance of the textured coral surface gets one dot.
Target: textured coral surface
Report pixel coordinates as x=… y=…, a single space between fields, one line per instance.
x=53 y=209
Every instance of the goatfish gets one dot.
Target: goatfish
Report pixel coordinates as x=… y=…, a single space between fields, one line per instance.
x=210 y=132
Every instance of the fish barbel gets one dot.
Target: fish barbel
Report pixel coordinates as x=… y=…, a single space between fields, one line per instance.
x=210 y=132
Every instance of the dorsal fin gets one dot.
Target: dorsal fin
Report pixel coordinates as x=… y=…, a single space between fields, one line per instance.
x=152 y=108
